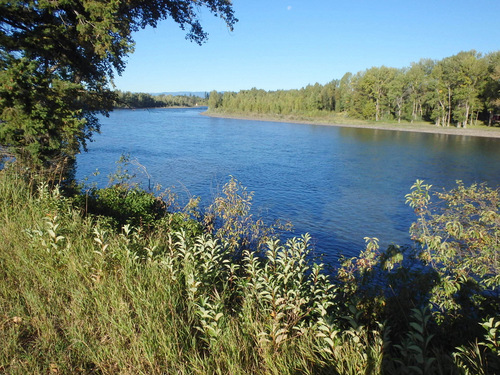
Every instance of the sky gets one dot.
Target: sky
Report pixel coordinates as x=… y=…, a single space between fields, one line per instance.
x=288 y=44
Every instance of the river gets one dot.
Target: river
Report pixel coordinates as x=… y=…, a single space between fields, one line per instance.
x=339 y=184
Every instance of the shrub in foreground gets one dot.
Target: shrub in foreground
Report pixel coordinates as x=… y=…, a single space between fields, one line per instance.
x=77 y=296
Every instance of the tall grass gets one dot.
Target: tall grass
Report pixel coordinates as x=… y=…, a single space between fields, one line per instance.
x=78 y=296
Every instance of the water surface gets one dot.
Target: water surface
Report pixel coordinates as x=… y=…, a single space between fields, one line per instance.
x=338 y=184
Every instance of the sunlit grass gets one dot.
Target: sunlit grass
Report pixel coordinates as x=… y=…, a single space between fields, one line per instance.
x=79 y=296
x=74 y=298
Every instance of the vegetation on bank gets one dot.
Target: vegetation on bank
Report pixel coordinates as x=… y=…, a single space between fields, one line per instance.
x=460 y=90
x=143 y=100
x=118 y=280
x=335 y=119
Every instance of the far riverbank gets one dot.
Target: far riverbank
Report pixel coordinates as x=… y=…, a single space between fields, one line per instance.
x=473 y=131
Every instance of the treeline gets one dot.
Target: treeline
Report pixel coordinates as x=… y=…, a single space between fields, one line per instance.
x=458 y=90
x=129 y=99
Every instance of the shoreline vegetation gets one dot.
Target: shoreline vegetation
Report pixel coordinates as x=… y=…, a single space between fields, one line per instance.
x=115 y=280
x=124 y=280
x=343 y=121
x=457 y=92
x=141 y=100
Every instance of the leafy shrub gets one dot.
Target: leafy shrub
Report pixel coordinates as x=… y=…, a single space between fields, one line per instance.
x=482 y=357
x=386 y=285
x=459 y=237
x=432 y=294
x=229 y=217
x=126 y=205
x=124 y=200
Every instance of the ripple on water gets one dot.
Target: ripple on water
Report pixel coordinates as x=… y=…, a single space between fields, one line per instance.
x=338 y=184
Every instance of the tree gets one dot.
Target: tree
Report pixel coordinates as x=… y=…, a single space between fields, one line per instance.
x=214 y=100
x=343 y=93
x=470 y=75
x=58 y=59
x=397 y=93
x=440 y=92
x=491 y=93
x=418 y=77
x=374 y=84
x=312 y=97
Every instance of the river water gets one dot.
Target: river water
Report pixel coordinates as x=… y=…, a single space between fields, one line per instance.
x=338 y=184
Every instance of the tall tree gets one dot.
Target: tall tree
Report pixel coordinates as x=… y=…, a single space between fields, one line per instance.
x=343 y=93
x=397 y=93
x=328 y=95
x=491 y=92
x=374 y=83
x=469 y=76
x=58 y=58
x=440 y=92
x=418 y=80
x=214 y=100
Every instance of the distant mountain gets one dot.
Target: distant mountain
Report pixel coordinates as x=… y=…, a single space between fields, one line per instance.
x=201 y=94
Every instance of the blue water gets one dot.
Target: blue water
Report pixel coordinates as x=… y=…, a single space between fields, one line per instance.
x=338 y=184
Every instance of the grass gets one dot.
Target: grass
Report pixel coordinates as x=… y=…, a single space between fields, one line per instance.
x=75 y=298
x=78 y=296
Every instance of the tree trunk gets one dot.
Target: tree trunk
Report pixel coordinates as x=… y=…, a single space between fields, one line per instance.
x=414 y=111
x=449 y=107
x=466 y=117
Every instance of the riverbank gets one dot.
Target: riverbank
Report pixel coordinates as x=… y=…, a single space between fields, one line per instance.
x=473 y=131
x=80 y=295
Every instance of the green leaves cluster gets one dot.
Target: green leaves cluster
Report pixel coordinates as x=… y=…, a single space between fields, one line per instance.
x=143 y=100
x=439 y=291
x=460 y=239
x=126 y=205
x=42 y=117
x=482 y=357
x=57 y=62
x=230 y=218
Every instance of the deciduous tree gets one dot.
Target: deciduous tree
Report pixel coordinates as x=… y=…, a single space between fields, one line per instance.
x=491 y=93
x=460 y=239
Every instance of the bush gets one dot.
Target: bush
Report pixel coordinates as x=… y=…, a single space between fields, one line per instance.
x=126 y=205
x=459 y=237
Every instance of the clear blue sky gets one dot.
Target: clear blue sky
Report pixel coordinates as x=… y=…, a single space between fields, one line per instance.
x=286 y=44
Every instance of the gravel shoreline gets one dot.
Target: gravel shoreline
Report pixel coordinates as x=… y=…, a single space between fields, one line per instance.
x=493 y=132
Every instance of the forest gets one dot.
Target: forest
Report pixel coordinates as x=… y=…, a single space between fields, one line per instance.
x=460 y=90
x=127 y=99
